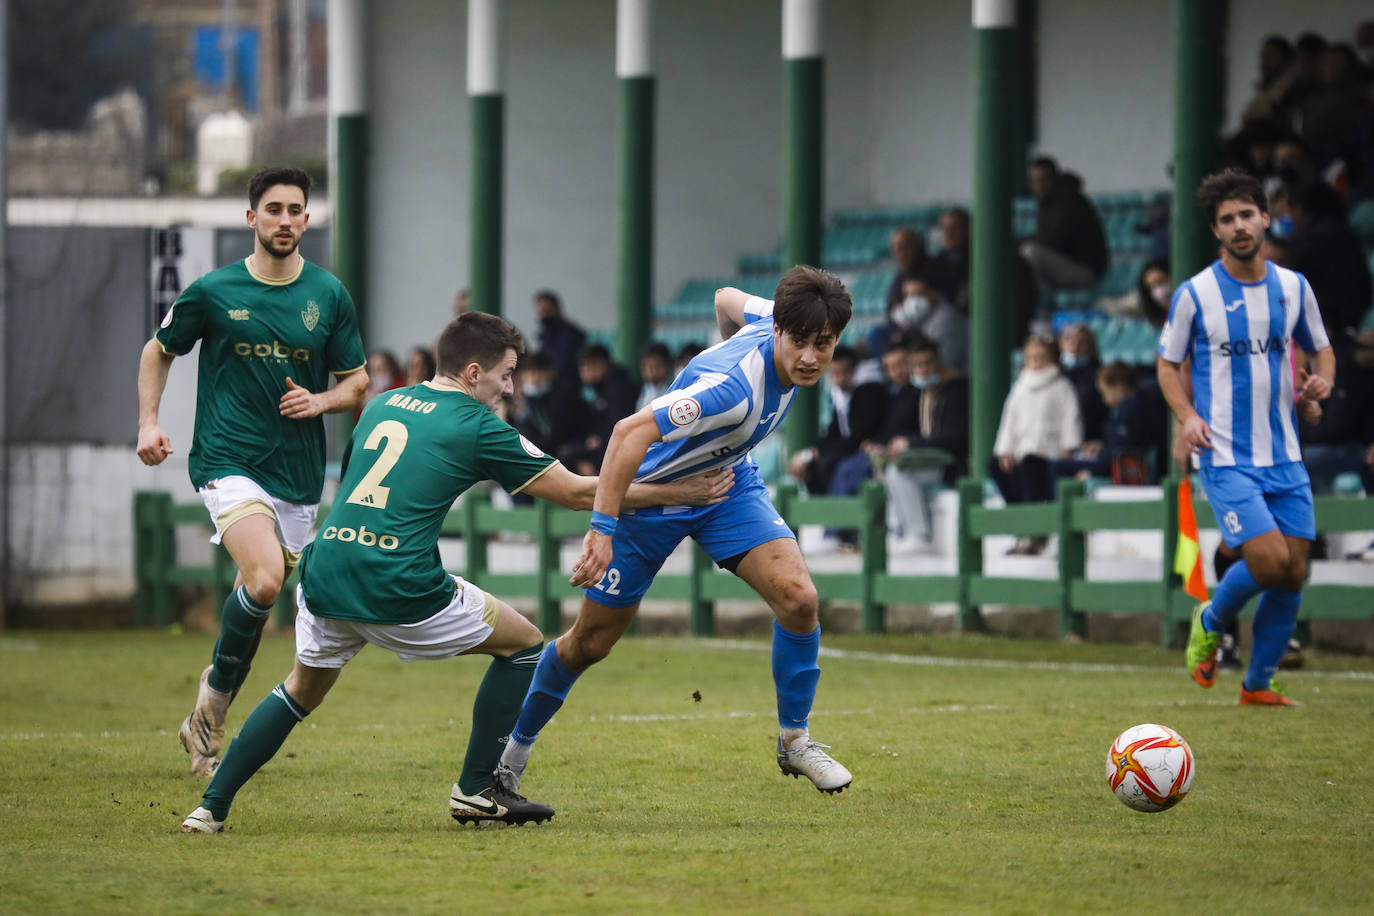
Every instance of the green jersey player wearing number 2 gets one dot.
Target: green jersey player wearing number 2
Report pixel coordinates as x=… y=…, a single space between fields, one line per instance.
x=272 y=329
x=373 y=574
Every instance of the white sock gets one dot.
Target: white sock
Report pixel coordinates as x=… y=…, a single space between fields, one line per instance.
x=789 y=736
x=516 y=756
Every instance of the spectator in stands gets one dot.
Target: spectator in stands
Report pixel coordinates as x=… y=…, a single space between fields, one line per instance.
x=1277 y=74
x=559 y=339
x=608 y=396
x=929 y=447
x=856 y=413
x=383 y=374
x=1151 y=297
x=909 y=254
x=419 y=365
x=655 y=372
x=684 y=356
x=1307 y=60
x=949 y=268
x=1135 y=425
x=1069 y=250
x=1364 y=47
x=1332 y=109
x=925 y=311
x=1040 y=422
x=1333 y=440
x=1079 y=359
x=1326 y=250
x=545 y=413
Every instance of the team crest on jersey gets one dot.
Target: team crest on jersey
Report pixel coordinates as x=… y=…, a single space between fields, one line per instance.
x=311 y=315
x=530 y=448
x=684 y=411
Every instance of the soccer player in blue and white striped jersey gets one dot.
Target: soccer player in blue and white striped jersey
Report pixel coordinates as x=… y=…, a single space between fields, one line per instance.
x=1237 y=321
x=723 y=403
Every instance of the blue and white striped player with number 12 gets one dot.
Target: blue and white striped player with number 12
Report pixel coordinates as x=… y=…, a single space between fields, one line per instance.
x=1237 y=320
x=724 y=402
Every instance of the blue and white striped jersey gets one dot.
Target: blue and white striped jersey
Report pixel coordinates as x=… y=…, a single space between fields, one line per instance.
x=1240 y=337
x=726 y=400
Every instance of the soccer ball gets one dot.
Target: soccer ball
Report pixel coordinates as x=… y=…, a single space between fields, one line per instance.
x=1150 y=768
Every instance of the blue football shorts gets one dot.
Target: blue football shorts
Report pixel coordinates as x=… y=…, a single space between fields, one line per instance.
x=645 y=537
x=1249 y=501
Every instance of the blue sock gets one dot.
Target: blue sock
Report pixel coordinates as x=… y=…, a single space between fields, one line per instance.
x=548 y=690
x=795 y=674
x=1275 y=619
x=1234 y=589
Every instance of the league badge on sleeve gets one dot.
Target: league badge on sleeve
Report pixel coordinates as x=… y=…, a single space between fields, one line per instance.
x=684 y=411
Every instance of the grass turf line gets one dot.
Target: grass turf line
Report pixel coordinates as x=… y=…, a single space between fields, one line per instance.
x=976 y=787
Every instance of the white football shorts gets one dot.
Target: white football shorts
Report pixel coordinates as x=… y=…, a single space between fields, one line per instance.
x=467 y=621
x=232 y=498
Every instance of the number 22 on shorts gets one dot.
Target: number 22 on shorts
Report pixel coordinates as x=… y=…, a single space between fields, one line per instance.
x=610 y=583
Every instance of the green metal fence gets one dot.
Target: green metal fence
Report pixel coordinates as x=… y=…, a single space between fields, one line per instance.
x=874 y=585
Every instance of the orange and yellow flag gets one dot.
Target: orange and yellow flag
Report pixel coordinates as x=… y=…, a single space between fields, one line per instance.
x=1188 y=558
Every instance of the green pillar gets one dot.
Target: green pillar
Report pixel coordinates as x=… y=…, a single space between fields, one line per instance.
x=486 y=108
x=997 y=162
x=1199 y=105
x=635 y=223
x=349 y=164
x=803 y=171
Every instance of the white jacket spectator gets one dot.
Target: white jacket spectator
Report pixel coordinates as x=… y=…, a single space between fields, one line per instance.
x=1040 y=416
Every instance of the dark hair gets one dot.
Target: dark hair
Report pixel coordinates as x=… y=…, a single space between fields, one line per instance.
x=844 y=354
x=389 y=358
x=1230 y=184
x=538 y=361
x=809 y=300
x=688 y=352
x=1278 y=41
x=1311 y=43
x=476 y=337
x=1153 y=311
x=267 y=178
x=1117 y=373
x=594 y=352
x=923 y=344
x=1045 y=162
x=427 y=358
x=1319 y=201
x=656 y=349
x=552 y=297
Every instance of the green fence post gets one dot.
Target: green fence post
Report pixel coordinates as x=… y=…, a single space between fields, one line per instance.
x=701 y=611
x=474 y=542
x=548 y=608
x=969 y=551
x=154 y=554
x=1072 y=559
x=872 y=553
x=1170 y=581
x=222 y=575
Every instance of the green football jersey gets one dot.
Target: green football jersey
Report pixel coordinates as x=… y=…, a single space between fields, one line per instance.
x=253 y=334
x=414 y=450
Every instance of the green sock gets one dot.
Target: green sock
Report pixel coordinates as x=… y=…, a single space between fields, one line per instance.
x=240 y=628
x=262 y=734
x=493 y=715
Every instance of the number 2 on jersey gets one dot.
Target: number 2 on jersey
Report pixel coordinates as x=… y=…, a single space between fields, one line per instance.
x=369 y=491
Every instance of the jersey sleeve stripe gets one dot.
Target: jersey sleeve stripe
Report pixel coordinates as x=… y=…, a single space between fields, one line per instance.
x=535 y=477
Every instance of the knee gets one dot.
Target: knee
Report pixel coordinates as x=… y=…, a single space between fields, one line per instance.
x=798 y=607
x=264 y=585
x=1295 y=574
x=580 y=650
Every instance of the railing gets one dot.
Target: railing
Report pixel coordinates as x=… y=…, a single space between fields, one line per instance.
x=874 y=585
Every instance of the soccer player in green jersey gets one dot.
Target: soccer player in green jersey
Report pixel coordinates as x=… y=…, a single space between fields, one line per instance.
x=373 y=574
x=272 y=328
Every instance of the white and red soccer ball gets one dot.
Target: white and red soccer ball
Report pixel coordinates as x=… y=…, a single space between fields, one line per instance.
x=1150 y=768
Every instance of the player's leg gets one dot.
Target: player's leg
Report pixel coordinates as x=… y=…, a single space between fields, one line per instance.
x=248 y=531
x=1223 y=559
x=595 y=631
x=263 y=733
x=776 y=571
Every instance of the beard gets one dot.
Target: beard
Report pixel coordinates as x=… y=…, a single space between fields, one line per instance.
x=273 y=246
x=1247 y=256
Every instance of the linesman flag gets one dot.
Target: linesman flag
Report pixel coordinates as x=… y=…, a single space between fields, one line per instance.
x=1188 y=558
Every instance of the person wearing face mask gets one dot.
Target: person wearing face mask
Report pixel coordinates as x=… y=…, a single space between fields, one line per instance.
x=1079 y=360
x=929 y=448
x=1040 y=422
x=543 y=412
x=925 y=311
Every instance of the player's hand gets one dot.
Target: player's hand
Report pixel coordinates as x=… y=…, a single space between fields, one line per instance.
x=1310 y=412
x=299 y=403
x=153 y=445
x=1312 y=386
x=1196 y=433
x=595 y=559
x=704 y=489
x=896 y=445
x=1006 y=463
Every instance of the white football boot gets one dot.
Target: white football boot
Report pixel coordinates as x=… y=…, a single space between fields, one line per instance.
x=203 y=731
x=201 y=821
x=807 y=758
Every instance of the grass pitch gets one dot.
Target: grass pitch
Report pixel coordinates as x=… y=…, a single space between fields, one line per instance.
x=978 y=786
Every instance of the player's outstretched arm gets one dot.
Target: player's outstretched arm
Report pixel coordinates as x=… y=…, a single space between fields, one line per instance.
x=730 y=310
x=301 y=403
x=153 y=365
x=561 y=486
x=629 y=441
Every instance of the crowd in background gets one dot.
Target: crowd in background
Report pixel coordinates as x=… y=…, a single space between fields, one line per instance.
x=898 y=400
